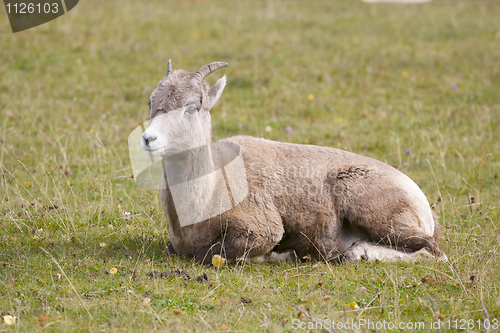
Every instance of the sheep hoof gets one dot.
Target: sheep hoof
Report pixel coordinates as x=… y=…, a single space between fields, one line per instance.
x=428 y=254
x=206 y=259
x=284 y=256
x=442 y=257
x=170 y=249
x=422 y=254
x=204 y=256
x=275 y=257
x=355 y=253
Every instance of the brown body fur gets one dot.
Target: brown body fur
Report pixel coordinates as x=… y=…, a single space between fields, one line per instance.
x=286 y=210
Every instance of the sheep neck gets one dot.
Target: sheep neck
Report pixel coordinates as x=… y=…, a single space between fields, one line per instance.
x=193 y=170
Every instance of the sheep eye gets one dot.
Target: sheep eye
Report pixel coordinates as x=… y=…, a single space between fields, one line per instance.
x=149 y=104
x=192 y=109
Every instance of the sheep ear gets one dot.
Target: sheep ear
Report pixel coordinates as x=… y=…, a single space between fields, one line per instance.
x=216 y=90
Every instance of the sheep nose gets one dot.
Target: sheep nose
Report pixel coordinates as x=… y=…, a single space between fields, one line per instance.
x=148 y=138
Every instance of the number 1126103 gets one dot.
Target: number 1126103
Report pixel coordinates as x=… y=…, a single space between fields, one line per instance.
x=30 y=8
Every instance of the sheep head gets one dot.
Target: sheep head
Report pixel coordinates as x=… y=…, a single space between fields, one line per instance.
x=180 y=105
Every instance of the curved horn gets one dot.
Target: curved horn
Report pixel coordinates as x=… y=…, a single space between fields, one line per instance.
x=204 y=71
x=169 y=67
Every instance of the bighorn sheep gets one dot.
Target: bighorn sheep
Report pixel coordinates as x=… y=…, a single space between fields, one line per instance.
x=303 y=201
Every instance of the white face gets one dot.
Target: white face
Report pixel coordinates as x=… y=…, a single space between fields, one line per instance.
x=174 y=132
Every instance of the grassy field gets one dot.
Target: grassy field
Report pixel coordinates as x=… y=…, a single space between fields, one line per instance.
x=415 y=86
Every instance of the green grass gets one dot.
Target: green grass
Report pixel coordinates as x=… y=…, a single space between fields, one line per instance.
x=381 y=77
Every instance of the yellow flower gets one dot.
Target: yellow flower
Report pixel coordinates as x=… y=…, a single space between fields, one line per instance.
x=223 y=327
x=218 y=261
x=9 y=320
x=243 y=117
x=353 y=305
x=113 y=271
x=268 y=129
x=404 y=74
x=310 y=97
